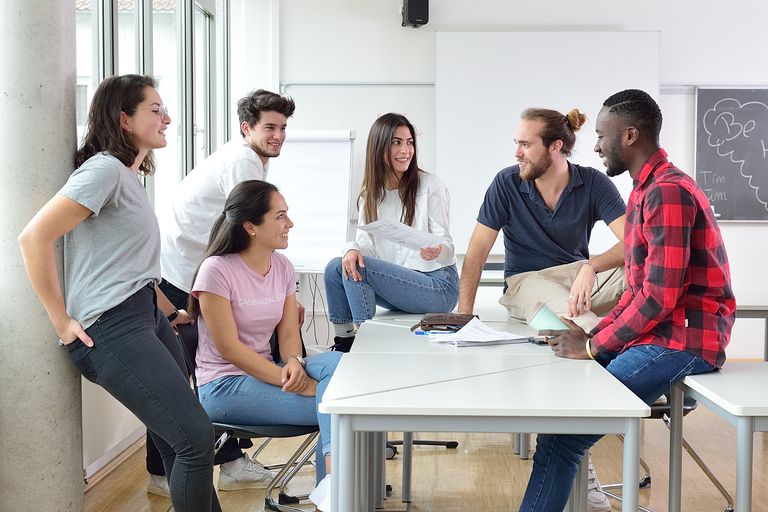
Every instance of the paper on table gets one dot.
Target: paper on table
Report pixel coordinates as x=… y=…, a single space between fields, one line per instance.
x=477 y=333
x=402 y=234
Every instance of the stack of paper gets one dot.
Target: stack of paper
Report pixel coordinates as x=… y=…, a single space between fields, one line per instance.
x=477 y=333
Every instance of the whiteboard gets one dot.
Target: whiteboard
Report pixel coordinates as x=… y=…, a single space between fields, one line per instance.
x=484 y=80
x=355 y=106
x=313 y=174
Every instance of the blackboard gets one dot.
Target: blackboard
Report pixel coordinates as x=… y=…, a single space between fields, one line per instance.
x=732 y=151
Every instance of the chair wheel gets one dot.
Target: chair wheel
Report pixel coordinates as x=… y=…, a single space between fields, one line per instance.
x=645 y=482
x=452 y=444
x=728 y=509
x=285 y=499
x=391 y=451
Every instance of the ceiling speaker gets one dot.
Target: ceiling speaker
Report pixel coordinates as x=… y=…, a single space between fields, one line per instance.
x=415 y=13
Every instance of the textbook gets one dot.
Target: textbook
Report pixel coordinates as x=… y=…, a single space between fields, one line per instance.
x=476 y=333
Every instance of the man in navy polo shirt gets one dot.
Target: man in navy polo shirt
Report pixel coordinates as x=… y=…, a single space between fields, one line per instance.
x=547 y=206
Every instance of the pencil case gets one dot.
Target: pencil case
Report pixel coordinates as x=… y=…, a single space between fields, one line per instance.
x=443 y=321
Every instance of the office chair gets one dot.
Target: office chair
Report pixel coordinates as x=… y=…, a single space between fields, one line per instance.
x=661 y=410
x=188 y=337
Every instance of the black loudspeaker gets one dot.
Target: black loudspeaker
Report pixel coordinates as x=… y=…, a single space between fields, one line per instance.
x=415 y=13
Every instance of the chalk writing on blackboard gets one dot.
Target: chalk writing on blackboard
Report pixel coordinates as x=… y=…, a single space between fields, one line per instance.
x=737 y=130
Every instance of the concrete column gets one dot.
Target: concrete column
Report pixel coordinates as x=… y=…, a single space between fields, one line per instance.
x=41 y=466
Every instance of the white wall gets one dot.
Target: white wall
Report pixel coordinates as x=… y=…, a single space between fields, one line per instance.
x=361 y=41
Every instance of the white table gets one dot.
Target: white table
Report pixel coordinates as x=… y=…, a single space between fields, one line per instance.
x=474 y=393
x=738 y=394
x=755 y=311
x=394 y=336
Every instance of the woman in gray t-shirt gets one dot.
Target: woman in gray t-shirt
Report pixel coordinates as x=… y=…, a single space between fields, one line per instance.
x=112 y=321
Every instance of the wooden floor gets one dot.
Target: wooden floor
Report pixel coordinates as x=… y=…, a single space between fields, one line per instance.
x=484 y=475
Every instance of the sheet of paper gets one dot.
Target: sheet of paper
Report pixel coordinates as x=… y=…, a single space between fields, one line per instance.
x=402 y=234
x=476 y=332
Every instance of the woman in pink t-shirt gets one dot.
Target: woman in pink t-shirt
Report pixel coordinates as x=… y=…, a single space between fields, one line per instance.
x=244 y=291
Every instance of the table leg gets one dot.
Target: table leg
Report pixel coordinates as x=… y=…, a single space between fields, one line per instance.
x=407 y=466
x=631 y=471
x=379 y=468
x=675 y=448
x=373 y=463
x=525 y=445
x=345 y=475
x=765 y=349
x=744 y=430
x=362 y=469
x=335 y=458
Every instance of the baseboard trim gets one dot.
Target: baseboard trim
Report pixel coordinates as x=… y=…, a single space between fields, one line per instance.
x=100 y=470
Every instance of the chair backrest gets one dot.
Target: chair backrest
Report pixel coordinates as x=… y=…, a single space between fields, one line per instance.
x=187 y=334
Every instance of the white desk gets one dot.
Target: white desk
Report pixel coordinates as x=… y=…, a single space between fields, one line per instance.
x=738 y=394
x=395 y=336
x=383 y=335
x=475 y=393
x=755 y=311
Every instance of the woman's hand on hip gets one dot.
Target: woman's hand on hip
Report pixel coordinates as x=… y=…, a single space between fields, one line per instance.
x=71 y=331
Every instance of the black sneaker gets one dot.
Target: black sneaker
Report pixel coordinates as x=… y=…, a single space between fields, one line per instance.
x=342 y=344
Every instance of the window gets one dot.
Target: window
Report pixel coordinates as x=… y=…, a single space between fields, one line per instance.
x=166 y=59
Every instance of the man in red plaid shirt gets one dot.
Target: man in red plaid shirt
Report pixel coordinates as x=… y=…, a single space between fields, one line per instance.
x=676 y=315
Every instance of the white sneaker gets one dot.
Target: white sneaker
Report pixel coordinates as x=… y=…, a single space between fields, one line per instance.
x=321 y=495
x=158 y=485
x=597 y=501
x=244 y=473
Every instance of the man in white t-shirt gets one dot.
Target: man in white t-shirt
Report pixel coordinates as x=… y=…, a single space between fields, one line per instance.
x=185 y=227
x=200 y=197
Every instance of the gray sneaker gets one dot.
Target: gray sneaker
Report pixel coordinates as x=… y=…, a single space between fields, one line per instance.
x=597 y=501
x=250 y=475
x=158 y=485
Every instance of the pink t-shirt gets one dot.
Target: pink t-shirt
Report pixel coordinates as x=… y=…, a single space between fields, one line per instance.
x=257 y=305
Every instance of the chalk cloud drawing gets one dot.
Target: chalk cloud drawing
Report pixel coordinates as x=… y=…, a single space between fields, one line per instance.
x=740 y=132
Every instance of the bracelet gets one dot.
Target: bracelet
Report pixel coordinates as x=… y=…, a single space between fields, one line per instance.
x=173 y=315
x=589 y=349
x=594 y=267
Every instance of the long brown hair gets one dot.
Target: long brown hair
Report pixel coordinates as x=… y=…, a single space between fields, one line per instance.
x=113 y=96
x=377 y=166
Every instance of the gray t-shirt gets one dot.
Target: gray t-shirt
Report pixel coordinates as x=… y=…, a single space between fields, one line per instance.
x=116 y=251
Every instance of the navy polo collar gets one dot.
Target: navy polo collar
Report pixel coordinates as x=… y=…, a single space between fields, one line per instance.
x=575 y=180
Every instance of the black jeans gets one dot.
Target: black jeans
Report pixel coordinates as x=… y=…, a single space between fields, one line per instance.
x=137 y=358
x=231 y=450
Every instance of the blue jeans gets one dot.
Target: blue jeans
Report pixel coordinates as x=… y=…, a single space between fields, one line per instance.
x=648 y=371
x=390 y=286
x=137 y=358
x=246 y=400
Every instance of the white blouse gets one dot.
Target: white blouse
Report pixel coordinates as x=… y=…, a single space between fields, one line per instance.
x=431 y=215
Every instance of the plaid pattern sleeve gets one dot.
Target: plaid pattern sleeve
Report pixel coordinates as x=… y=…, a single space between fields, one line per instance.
x=678 y=281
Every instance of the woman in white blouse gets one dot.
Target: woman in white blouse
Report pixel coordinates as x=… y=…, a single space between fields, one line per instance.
x=375 y=271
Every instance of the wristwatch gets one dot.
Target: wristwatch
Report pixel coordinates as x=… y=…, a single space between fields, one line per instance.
x=299 y=359
x=173 y=315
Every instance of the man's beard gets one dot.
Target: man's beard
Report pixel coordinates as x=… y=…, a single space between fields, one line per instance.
x=537 y=169
x=613 y=171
